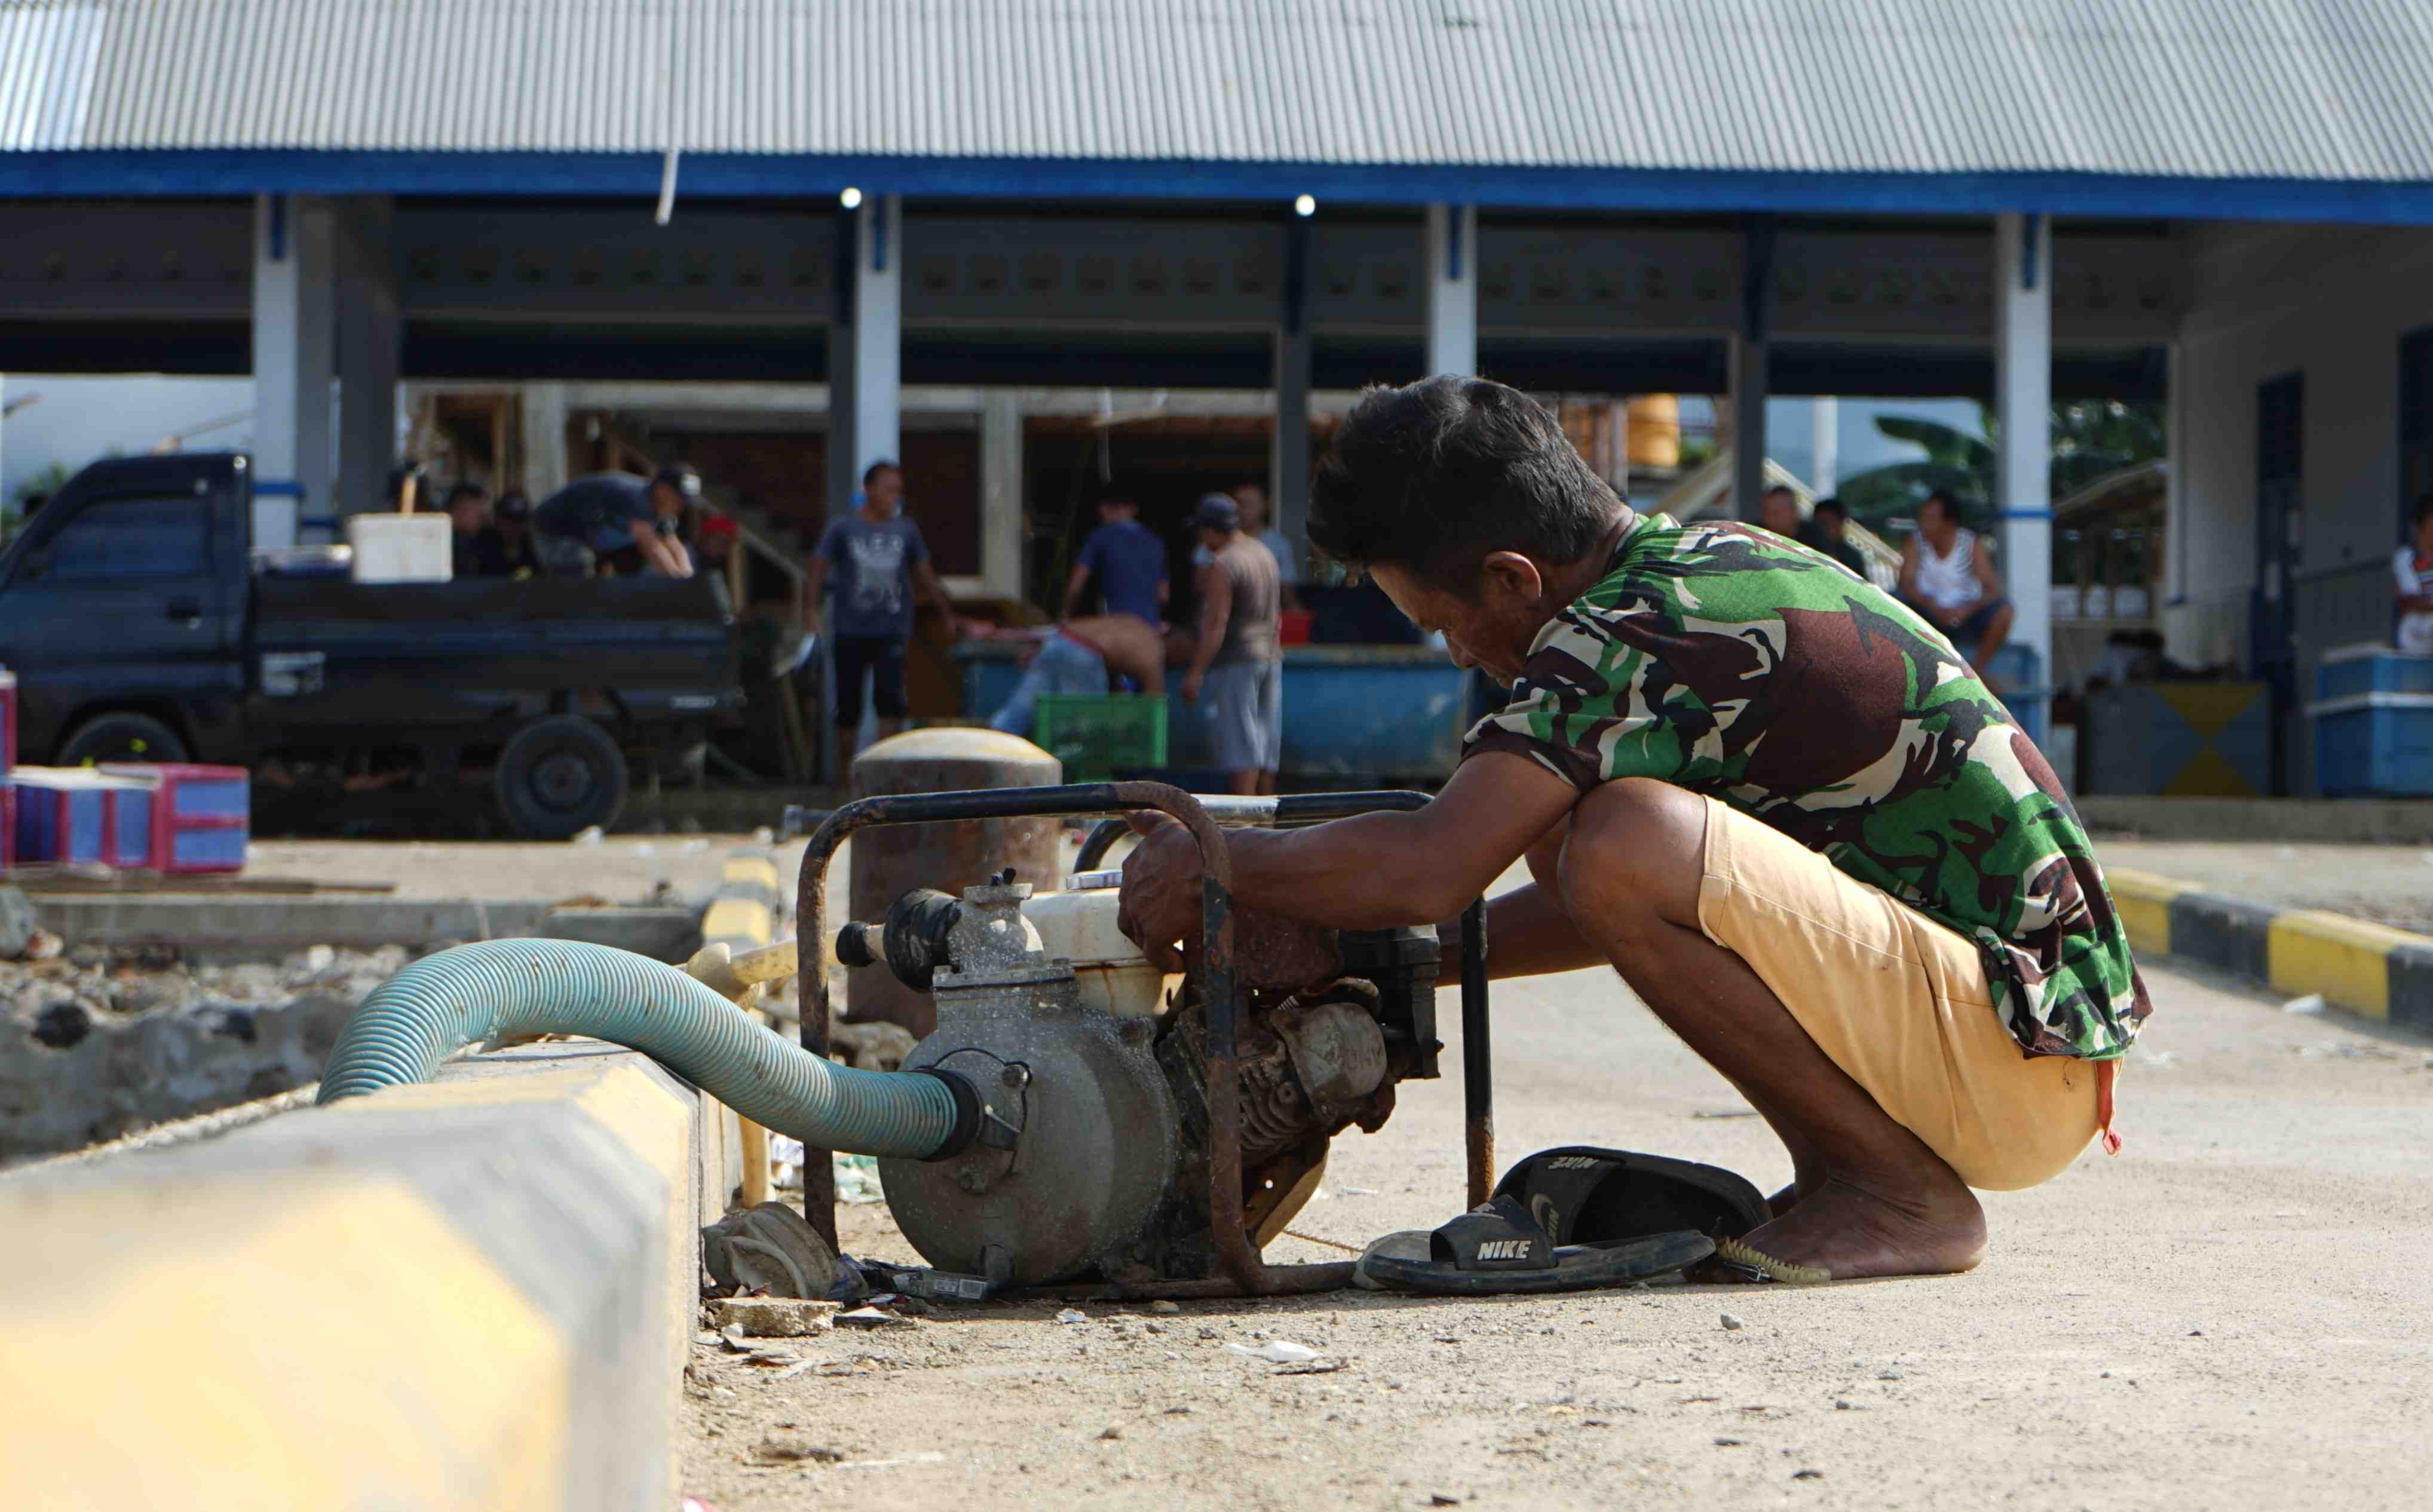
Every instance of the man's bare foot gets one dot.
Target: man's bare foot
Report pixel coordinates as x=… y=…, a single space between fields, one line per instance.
x=1850 y=1233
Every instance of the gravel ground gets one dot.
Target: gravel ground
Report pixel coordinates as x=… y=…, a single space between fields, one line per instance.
x=2232 y=1313
x=2389 y=884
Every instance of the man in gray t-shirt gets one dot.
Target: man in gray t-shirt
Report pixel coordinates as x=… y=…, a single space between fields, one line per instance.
x=1236 y=669
x=876 y=558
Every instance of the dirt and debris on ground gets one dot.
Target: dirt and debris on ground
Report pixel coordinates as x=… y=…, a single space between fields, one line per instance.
x=2230 y=1313
x=100 y=1041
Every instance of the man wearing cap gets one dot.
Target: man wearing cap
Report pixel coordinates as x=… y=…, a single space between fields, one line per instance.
x=616 y=518
x=877 y=558
x=1235 y=666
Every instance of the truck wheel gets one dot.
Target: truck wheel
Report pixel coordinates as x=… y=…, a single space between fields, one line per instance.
x=559 y=775
x=121 y=737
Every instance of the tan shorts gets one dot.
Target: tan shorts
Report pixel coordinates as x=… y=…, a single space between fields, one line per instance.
x=1898 y=1002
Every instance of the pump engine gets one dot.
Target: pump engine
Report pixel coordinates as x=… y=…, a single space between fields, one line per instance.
x=1093 y=1155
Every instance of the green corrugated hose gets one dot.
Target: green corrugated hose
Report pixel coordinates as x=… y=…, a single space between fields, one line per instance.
x=501 y=988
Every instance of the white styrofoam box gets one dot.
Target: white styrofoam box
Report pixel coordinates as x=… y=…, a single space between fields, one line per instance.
x=2067 y=601
x=402 y=548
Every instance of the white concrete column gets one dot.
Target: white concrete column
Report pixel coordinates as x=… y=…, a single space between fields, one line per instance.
x=1825 y=424
x=2023 y=421
x=1452 y=290
x=1746 y=409
x=1002 y=568
x=370 y=337
x=877 y=334
x=543 y=436
x=295 y=350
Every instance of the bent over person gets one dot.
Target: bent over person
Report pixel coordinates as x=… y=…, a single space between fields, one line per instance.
x=1772 y=798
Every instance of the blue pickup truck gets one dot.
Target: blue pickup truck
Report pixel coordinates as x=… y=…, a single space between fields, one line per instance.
x=140 y=626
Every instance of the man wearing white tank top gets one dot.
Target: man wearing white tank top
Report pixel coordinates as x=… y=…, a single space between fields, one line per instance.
x=1946 y=575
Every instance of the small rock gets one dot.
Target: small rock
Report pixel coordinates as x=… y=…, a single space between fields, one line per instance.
x=43 y=945
x=1207 y=1332
x=1807 y=1475
x=1440 y=1499
x=1888 y=1375
x=772 y=1317
x=1072 y=1315
x=1109 y=1433
x=1161 y=1306
x=1153 y=1327
x=17 y=923
x=1731 y=1324
x=791 y=1449
x=1180 y=1412
x=1730 y=1443
x=319 y=959
x=1843 y=1404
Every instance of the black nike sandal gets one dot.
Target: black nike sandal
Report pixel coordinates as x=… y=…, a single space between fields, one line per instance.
x=1572 y=1220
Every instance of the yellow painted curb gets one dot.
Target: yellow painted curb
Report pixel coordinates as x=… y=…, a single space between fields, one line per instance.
x=751 y=870
x=2143 y=900
x=2348 y=960
x=284 y=1345
x=739 y=919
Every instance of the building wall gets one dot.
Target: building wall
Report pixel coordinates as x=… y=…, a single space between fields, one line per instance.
x=2331 y=303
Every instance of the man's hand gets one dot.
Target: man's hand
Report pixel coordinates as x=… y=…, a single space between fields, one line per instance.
x=1161 y=897
x=1191 y=681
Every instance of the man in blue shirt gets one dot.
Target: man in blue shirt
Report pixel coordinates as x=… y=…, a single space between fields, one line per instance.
x=877 y=558
x=1129 y=561
x=615 y=516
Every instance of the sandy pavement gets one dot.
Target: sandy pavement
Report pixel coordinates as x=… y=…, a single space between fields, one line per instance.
x=2389 y=884
x=2235 y=1313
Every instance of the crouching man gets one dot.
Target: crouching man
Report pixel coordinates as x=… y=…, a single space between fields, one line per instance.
x=1773 y=800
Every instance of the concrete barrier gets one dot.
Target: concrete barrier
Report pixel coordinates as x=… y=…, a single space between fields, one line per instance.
x=477 y=1293
x=750 y=900
x=2370 y=970
x=267 y=926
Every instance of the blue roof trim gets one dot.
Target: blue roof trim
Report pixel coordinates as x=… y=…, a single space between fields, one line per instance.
x=119 y=173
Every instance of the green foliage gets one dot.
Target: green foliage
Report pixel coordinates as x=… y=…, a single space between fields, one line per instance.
x=2090 y=439
x=49 y=481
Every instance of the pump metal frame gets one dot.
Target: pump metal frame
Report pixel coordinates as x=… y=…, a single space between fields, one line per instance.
x=1236 y=1255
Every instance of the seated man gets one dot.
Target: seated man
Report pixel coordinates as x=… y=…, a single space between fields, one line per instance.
x=1948 y=576
x=2412 y=567
x=1075 y=657
x=615 y=518
x=1762 y=792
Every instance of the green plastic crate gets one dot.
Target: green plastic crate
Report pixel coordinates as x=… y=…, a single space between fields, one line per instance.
x=1095 y=735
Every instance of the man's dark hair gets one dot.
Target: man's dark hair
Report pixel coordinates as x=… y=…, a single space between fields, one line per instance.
x=1782 y=489
x=1433 y=476
x=1830 y=504
x=465 y=490
x=882 y=465
x=2423 y=508
x=1941 y=497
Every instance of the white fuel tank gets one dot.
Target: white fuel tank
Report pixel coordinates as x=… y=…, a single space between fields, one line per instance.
x=1114 y=976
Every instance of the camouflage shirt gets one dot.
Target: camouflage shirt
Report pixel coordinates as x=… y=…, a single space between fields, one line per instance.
x=1742 y=667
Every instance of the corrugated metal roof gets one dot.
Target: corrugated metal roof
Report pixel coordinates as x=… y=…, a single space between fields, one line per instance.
x=2311 y=90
